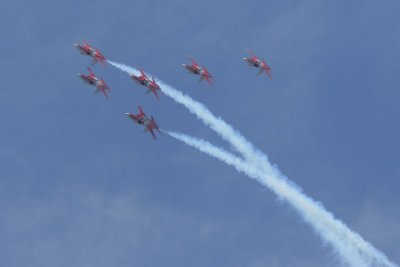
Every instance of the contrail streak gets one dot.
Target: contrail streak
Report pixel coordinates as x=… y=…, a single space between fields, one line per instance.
x=311 y=211
x=351 y=247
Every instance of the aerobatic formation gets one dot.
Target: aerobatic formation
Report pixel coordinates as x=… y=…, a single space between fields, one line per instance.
x=151 y=84
x=350 y=247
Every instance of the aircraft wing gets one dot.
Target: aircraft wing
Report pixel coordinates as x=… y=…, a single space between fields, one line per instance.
x=207 y=76
x=267 y=69
x=269 y=74
x=102 y=62
x=154 y=91
x=103 y=84
x=208 y=80
x=156 y=94
x=103 y=91
x=151 y=130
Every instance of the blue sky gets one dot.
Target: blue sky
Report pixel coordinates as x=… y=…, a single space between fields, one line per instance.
x=83 y=186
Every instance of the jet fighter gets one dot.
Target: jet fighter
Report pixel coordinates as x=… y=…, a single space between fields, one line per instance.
x=141 y=118
x=95 y=81
x=258 y=63
x=86 y=49
x=196 y=69
x=145 y=81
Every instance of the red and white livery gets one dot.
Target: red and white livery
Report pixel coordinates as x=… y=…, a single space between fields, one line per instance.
x=196 y=69
x=258 y=63
x=141 y=118
x=145 y=81
x=92 y=79
x=86 y=49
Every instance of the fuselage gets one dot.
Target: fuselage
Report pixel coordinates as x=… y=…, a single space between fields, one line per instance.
x=92 y=81
x=141 y=119
x=141 y=80
x=85 y=50
x=193 y=69
x=89 y=79
x=253 y=62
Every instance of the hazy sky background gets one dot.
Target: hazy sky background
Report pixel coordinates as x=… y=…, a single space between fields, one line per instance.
x=83 y=186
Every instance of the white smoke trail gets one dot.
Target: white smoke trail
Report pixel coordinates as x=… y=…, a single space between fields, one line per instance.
x=350 y=246
x=310 y=210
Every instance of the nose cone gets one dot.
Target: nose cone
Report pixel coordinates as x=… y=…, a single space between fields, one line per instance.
x=245 y=58
x=184 y=65
x=76 y=45
x=127 y=114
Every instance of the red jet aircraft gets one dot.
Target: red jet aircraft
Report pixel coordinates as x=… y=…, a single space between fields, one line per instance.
x=258 y=63
x=151 y=84
x=93 y=80
x=196 y=69
x=86 y=49
x=141 y=118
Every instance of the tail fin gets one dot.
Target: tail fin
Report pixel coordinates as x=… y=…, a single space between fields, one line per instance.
x=155 y=124
x=140 y=110
x=251 y=53
x=192 y=59
x=142 y=72
x=105 y=85
x=90 y=71
x=155 y=92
